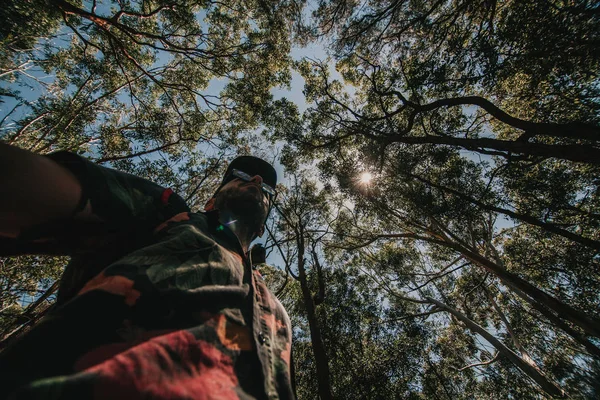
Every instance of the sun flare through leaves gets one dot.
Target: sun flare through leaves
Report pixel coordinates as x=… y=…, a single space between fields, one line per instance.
x=365 y=178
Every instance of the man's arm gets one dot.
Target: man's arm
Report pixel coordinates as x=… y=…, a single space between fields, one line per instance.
x=62 y=203
x=33 y=190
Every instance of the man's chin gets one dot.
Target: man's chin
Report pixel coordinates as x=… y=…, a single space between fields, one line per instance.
x=246 y=203
x=246 y=208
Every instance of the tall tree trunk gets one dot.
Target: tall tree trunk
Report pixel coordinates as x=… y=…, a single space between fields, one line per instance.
x=322 y=363
x=550 y=307
x=533 y=372
x=538 y=299
x=573 y=152
x=524 y=354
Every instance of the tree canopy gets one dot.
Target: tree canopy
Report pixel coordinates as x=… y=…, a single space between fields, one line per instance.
x=466 y=267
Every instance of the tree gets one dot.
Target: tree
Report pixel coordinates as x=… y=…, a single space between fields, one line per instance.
x=303 y=212
x=27 y=286
x=446 y=74
x=447 y=108
x=131 y=78
x=443 y=203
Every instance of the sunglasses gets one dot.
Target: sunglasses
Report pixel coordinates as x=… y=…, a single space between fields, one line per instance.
x=247 y=177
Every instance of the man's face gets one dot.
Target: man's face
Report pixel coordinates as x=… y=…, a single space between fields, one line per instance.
x=246 y=200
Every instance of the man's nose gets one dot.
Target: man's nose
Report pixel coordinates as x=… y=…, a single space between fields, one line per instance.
x=257 y=179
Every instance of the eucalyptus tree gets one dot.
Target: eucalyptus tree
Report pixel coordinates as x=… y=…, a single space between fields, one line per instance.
x=480 y=120
x=531 y=57
x=123 y=79
x=22 y=280
x=172 y=85
x=382 y=343
x=516 y=81
x=437 y=251
x=343 y=345
x=303 y=213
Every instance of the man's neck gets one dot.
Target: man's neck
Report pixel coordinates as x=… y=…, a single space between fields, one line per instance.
x=240 y=229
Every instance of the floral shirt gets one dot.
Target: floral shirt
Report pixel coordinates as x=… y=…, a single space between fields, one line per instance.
x=157 y=303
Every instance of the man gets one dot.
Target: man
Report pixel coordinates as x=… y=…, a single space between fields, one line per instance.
x=158 y=302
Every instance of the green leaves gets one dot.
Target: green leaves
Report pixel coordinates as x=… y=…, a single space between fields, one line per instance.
x=142 y=69
x=480 y=120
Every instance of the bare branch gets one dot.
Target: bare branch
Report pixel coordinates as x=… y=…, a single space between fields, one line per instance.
x=480 y=364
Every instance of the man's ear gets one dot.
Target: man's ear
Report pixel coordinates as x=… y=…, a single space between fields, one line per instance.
x=210 y=204
x=258 y=254
x=261 y=231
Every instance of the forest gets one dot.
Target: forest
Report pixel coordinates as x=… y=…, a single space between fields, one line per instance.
x=437 y=229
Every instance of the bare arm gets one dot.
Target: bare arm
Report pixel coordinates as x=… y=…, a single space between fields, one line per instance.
x=33 y=190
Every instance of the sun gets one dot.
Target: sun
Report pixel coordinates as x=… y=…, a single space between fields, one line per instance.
x=365 y=178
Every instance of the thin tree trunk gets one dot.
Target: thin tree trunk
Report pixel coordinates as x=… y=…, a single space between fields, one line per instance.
x=322 y=363
x=546 y=384
x=547 y=305
x=320 y=296
x=534 y=296
x=524 y=354
x=573 y=152
x=522 y=217
x=576 y=335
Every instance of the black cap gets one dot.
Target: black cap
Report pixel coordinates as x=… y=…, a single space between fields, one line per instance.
x=253 y=166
